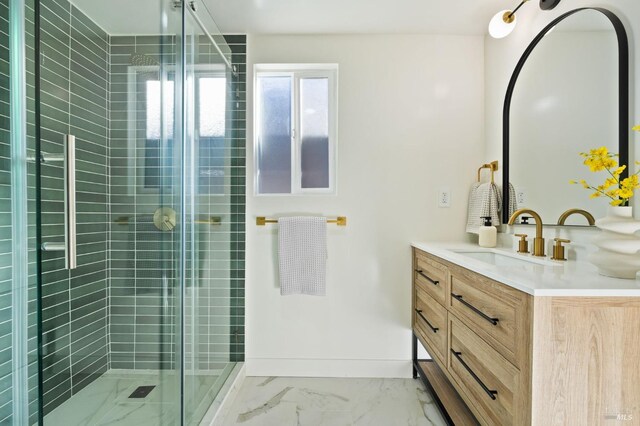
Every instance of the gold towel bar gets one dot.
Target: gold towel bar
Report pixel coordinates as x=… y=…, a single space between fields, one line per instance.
x=213 y=221
x=493 y=166
x=340 y=221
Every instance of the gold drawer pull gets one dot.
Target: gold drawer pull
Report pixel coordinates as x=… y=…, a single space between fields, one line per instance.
x=492 y=393
x=419 y=271
x=458 y=297
x=434 y=329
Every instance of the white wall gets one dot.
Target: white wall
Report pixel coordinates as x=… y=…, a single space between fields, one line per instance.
x=502 y=55
x=410 y=121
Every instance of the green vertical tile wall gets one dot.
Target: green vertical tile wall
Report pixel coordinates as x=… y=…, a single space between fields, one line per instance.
x=142 y=327
x=237 y=107
x=74 y=100
x=143 y=285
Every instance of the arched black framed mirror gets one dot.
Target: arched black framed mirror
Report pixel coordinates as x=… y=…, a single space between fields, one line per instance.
x=568 y=93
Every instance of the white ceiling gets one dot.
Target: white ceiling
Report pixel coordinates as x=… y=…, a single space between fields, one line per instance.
x=466 y=17
x=356 y=16
x=309 y=16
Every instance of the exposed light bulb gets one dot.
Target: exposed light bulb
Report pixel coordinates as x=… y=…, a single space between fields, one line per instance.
x=502 y=24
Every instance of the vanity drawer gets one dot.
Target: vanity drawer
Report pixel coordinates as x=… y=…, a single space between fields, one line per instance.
x=485 y=376
x=430 y=318
x=430 y=276
x=498 y=313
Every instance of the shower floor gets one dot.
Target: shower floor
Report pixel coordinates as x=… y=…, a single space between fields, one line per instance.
x=106 y=400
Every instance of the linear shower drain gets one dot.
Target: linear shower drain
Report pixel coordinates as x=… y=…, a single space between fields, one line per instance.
x=141 y=391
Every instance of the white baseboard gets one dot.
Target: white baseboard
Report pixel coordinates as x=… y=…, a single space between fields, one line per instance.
x=328 y=368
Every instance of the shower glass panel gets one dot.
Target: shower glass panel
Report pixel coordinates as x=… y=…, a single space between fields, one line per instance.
x=73 y=157
x=207 y=200
x=135 y=184
x=18 y=294
x=108 y=322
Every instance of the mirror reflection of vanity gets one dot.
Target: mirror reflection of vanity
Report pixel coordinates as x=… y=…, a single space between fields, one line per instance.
x=568 y=94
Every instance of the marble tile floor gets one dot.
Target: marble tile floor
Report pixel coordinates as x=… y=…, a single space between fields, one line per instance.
x=289 y=401
x=106 y=400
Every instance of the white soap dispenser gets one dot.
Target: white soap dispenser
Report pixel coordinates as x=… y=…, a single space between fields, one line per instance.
x=487 y=234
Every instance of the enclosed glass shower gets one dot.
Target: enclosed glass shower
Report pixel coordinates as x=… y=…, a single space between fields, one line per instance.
x=121 y=211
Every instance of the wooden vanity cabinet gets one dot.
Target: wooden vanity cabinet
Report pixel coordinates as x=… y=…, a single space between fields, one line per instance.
x=477 y=331
x=515 y=359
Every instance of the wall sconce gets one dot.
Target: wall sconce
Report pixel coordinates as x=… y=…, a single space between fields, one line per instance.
x=504 y=21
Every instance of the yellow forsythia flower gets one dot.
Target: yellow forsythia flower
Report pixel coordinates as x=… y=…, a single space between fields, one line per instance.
x=619 y=170
x=630 y=183
x=619 y=191
x=614 y=192
x=609 y=163
x=625 y=193
x=599 y=152
x=610 y=182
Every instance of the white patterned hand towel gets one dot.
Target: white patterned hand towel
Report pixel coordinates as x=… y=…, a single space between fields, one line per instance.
x=484 y=200
x=513 y=201
x=302 y=255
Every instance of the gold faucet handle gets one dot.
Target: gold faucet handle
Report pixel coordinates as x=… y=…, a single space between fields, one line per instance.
x=558 y=249
x=523 y=244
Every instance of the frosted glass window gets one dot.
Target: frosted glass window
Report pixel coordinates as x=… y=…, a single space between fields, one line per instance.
x=153 y=109
x=274 y=134
x=314 y=132
x=295 y=128
x=212 y=100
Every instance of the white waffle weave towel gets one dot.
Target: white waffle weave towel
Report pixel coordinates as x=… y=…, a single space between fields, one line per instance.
x=485 y=199
x=302 y=255
x=513 y=201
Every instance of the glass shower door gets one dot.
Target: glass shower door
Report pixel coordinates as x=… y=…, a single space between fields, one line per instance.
x=135 y=188
x=18 y=293
x=110 y=297
x=207 y=199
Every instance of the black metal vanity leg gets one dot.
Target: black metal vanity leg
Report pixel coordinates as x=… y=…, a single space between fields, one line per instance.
x=414 y=354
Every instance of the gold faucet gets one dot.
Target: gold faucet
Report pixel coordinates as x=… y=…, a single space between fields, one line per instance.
x=563 y=217
x=538 y=241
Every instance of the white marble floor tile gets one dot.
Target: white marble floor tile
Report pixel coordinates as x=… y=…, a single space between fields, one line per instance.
x=324 y=418
x=141 y=414
x=91 y=403
x=317 y=399
x=106 y=400
x=380 y=412
x=281 y=414
x=334 y=402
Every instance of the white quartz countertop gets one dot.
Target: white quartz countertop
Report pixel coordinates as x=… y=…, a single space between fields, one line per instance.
x=538 y=277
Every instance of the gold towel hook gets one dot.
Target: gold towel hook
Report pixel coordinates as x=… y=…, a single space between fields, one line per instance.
x=493 y=166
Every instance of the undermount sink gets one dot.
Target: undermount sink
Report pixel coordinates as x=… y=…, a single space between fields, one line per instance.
x=501 y=258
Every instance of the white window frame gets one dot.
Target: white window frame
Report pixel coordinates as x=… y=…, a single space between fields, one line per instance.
x=297 y=72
